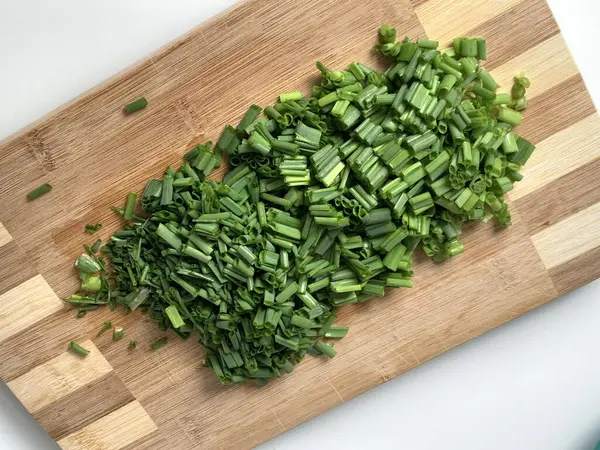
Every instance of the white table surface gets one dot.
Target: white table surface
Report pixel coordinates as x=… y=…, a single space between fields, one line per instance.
x=533 y=383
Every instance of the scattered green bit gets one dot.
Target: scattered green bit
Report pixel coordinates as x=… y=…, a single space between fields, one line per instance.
x=38 y=192
x=174 y=316
x=90 y=282
x=130 y=206
x=327 y=197
x=137 y=105
x=132 y=344
x=78 y=349
x=107 y=326
x=118 y=333
x=95 y=246
x=87 y=264
x=92 y=228
x=159 y=343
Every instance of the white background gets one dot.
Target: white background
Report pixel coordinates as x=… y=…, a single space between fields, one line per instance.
x=531 y=384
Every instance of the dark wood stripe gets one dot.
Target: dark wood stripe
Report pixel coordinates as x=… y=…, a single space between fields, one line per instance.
x=556 y=109
x=417 y=3
x=84 y=406
x=15 y=268
x=49 y=338
x=577 y=272
x=482 y=242
x=513 y=32
x=563 y=197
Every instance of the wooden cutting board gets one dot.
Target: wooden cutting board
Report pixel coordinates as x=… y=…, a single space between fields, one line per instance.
x=93 y=156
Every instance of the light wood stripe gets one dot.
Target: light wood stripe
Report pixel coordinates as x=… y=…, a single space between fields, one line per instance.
x=25 y=305
x=559 y=155
x=547 y=65
x=569 y=238
x=113 y=431
x=5 y=237
x=59 y=377
x=444 y=20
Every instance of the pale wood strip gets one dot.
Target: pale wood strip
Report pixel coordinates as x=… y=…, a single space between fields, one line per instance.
x=113 y=431
x=547 y=65
x=5 y=237
x=25 y=305
x=444 y=20
x=569 y=238
x=560 y=154
x=57 y=378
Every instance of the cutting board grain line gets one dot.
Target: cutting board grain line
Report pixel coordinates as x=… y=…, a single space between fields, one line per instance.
x=154 y=400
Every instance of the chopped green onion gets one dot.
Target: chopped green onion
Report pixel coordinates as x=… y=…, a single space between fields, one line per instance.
x=38 y=192
x=107 y=326
x=78 y=349
x=118 y=333
x=137 y=105
x=325 y=202
x=92 y=228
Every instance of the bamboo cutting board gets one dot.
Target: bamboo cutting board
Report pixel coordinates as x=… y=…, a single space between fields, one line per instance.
x=93 y=156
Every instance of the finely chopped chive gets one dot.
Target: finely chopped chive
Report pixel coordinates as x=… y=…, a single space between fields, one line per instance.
x=137 y=105
x=130 y=206
x=107 y=326
x=38 y=192
x=78 y=349
x=132 y=344
x=118 y=333
x=327 y=198
x=92 y=228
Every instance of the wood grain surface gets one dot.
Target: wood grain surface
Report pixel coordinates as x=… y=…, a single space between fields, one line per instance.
x=93 y=156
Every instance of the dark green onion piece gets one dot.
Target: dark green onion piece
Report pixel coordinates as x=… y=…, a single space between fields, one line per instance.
x=92 y=228
x=78 y=349
x=137 y=105
x=38 y=192
x=118 y=333
x=130 y=206
x=107 y=326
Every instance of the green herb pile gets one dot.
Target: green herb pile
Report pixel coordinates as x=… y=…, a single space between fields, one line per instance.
x=326 y=200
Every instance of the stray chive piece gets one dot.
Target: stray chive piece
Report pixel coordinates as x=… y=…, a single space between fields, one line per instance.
x=132 y=344
x=130 y=206
x=327 y=198
x=92 y=228
x=118 y=333
x=137 y=105
x=78 y=349
x=38 y=192
x=107 y=326
x=159 y=343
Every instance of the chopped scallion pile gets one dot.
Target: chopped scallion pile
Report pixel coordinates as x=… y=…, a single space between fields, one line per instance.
x=326 y=200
